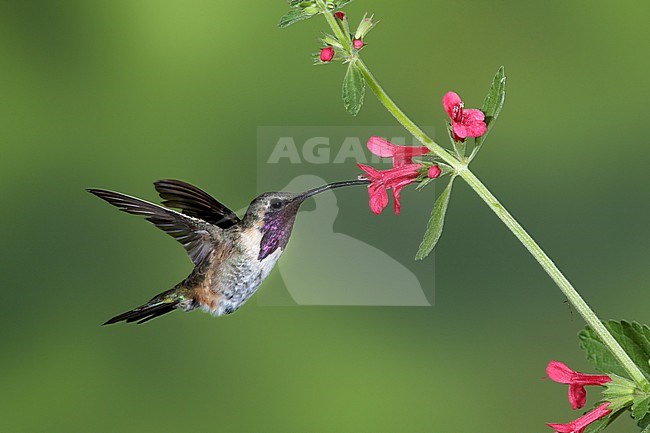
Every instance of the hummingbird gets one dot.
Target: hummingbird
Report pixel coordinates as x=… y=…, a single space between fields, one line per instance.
x=231 y=256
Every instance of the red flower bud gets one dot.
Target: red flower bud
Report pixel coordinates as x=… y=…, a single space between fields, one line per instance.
x=433 y=172
x=340 y=15
x=326 y=54
x=357 y=44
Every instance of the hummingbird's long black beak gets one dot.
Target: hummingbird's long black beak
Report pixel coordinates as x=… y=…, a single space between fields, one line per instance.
x=329 y=186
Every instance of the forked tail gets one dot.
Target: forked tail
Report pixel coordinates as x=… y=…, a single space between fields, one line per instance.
x=159 y=305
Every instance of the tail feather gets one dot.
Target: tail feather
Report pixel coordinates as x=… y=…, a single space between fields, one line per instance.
x=145 y=312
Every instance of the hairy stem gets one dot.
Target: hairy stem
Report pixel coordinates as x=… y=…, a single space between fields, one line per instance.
x=461 y=169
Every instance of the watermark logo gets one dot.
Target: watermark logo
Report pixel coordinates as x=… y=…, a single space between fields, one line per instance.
x=318 y=150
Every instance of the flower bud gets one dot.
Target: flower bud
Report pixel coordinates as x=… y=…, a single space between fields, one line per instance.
x=340 y=15
x=357 y=44
x=433 y=172
x=326 y=54
x=365 y=26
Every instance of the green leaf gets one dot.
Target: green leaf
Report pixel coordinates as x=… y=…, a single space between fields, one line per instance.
x=345 y=24
x=459 y=146
x=365 y=25
x=641 y=411
x=303 y=9
x=293 y=16
x=354 y=89
x=492 y=104
x=340 y=3
x=640 y=407
x=436 y=222
x=644 y=424
x=633 y=337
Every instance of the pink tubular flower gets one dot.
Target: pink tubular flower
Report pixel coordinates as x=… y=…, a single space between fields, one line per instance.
x=357 y=44
x=382 y=180
x=579 y=424
x=559 y=372
x=326 y=54
x=340 y=15
x=464 y=122
x=401 y=155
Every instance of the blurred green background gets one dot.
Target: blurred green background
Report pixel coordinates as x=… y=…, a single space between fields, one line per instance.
x=118 y=94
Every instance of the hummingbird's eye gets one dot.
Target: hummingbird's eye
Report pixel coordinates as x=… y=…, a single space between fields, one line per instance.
x=276 y=203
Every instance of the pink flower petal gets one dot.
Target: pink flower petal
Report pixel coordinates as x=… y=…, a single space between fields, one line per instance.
x=398 y=184
x=381 y=147
x=371 y=172
x=591 y=379
x=404 y=154
x=559 y=372
x=463 y=131
x=578 y=425
x=396 y=204
x=474 y=122
x=577 y=396
x=449 y=101
x=401 y=155
x=407 y=171
x=378 y=198
x=394 y=179
x=562 y=428
x=472 y=115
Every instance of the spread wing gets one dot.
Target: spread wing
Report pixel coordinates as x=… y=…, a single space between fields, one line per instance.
x=194 y=202
x=197 y=236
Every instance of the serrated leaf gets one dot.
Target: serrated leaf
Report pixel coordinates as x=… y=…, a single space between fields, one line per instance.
x=632 y=336
x=293 y=16
x=492 y=105
x=436 y=223
x=644 y=424
x=354 y=89
x=640 y=407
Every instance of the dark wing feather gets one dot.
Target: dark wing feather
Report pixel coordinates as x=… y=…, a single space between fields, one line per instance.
x=197 y=236
x=195 y=202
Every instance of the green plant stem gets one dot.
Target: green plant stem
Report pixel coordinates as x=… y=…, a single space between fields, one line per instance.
x=343 y=39
x=535 y=250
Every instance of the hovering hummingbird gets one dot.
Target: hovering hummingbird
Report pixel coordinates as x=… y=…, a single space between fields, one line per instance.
x=231 y=256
